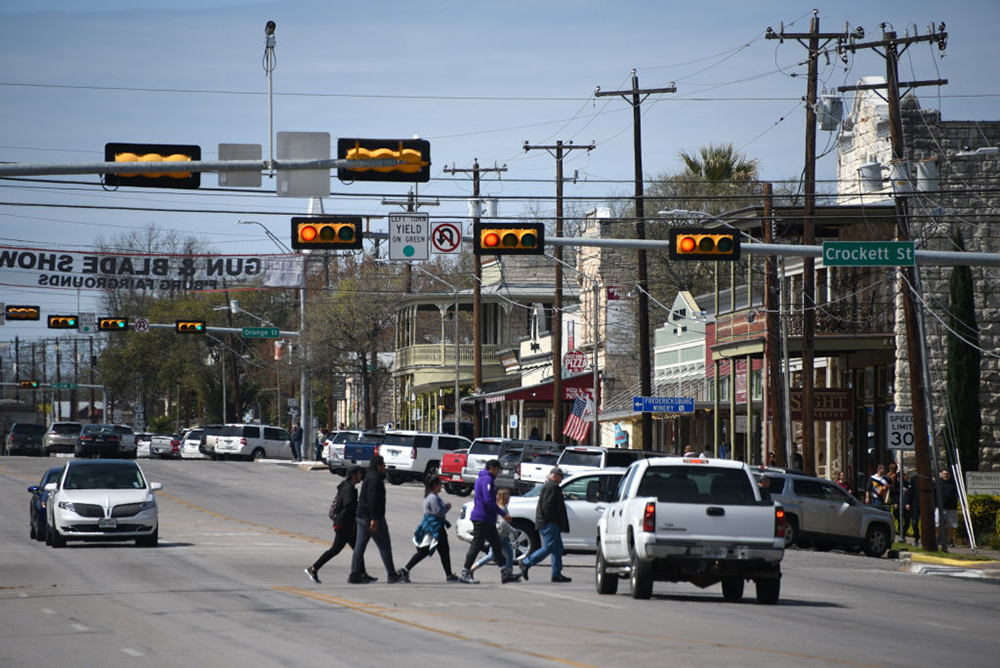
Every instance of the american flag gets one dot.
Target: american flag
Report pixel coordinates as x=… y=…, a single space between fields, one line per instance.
x=577 y=426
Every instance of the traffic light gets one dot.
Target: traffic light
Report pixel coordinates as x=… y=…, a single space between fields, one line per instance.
x=29 y=384
x=499 y=239
x=22 y=312
x=112 y=324
x=704 y=244
x=415 y=155
x=62 y=322
x=327 y=233
x=178 y=153
x=190 y=327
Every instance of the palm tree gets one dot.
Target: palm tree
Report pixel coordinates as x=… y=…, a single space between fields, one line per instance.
x=717 y=163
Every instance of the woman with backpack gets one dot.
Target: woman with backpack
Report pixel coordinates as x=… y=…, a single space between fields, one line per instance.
x=342 y=513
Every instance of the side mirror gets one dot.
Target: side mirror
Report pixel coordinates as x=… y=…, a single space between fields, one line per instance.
x=593 y=491
x=154 y=486
x=51 y=487
x=33 y=489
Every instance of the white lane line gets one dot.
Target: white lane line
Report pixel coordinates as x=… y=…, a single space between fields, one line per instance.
x=574 y=599
x=944 y=626
x=22 y=595
x=48 y=611
x=132 y=652
x=79 y=627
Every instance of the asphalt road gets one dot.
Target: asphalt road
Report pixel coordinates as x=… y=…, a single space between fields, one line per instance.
x=226 y=587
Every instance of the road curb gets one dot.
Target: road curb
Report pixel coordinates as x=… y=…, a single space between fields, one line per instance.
x=924 y=564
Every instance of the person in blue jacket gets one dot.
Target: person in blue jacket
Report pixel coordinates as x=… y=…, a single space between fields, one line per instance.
x=484 y=526
x=432 y=533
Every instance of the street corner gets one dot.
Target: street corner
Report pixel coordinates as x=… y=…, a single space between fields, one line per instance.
x=924 y=564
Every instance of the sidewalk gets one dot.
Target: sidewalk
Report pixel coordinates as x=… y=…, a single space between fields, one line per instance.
x=925 y=564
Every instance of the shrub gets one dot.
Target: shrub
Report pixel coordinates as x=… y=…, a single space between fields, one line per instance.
x=984 y=511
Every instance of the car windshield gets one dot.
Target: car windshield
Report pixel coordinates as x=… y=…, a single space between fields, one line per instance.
x=104 y=476
x=102 y=429
x=71 y=428
x=576 y=458
x=702 y=484
x=480 y=447
x=546 y=458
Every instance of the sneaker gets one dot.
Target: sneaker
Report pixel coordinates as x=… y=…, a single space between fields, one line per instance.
x=369 y=578
x=311 y=574
x=524 y=570
x=561 y=578
x=393 y=578
x=451 y=578
x=507 y=578
x=358 y=580
x=468 y=579
x=403 y=574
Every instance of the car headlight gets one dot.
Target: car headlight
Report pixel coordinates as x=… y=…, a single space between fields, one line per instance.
x=67 y=505
x=147 y=505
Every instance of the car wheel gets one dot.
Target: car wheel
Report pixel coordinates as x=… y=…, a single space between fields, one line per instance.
x=521 y=544
x=257 y=454
x=791 y=531
x=641 y=577
x=56 y=539
x=151 y=540
x=32 y=531
x=40 y=533
x=768 y=590
x=732 y=589
x=606 y=583
x=876 y=541
x=433 y=469
x=48 y=536
x=531 y=536
x=395 y=478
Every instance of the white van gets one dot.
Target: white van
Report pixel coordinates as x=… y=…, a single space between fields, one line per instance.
x=252 y=441
x=413 y=455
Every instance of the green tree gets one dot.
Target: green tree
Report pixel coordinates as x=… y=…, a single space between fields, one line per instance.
x=964 y=417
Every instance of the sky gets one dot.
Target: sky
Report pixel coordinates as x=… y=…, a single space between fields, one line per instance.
x=475 y=79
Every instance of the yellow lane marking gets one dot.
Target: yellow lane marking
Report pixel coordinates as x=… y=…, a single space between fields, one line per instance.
x=384 y=613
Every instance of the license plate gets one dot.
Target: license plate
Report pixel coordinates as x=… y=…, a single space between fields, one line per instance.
x=107 y=523
x=741 y=552
x=715 y=551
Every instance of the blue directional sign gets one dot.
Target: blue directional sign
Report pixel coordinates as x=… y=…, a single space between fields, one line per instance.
x=663 y=404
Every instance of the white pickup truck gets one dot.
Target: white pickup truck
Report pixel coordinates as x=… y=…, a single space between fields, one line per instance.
x=691 y=520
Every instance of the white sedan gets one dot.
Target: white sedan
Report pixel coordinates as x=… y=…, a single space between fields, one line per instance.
x=102 y=500
x=586 y=493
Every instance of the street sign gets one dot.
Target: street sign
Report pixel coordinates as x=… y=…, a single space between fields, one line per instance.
x=62 y=386
x=899 y=430
x=446 y=237
x=142 y=325
x=574 y=361
x=513 y=420
x=293 y=401
x=408 y=236
x=86 y=322
x=261 y=332
x=868 y=253
x=663 y=404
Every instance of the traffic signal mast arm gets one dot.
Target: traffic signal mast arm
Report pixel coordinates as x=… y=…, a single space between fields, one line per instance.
x=937 y=258
x=49 y=169
x=215 y=330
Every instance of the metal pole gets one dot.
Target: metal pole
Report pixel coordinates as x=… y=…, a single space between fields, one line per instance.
x=595 y=438
x=457 y=363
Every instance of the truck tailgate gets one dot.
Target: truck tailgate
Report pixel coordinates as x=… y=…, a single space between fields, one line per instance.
x=708 y=523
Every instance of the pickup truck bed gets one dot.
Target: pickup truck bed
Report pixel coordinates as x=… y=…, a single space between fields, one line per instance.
x=452 y=464
x=693 y=520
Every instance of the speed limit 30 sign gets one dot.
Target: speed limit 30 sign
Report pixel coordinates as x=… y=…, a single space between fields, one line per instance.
x=899 y=430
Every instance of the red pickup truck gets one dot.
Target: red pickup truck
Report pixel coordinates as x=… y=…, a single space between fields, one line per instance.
x=452 y=464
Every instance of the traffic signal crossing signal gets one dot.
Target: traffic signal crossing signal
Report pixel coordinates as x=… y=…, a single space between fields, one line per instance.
x=704 y=244
x=190 y=326
x=414 y=156
x=29 y=384
x=152 y=153
x=326 y=233
x=112 y=324
x=62 y=322
x=499 y=239
x=22 y=313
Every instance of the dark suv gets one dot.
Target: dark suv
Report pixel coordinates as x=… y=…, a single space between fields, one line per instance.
x=24 y=438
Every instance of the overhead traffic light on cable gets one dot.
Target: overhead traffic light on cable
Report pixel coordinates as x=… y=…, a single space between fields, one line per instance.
x=327 y=233
x=500 y=239
x=63 y=322
x=414 y=156
x=704 y=245
x=22 y=312
x=112 y=324
x=29 y=384
x=154 y=153
x=190 y=327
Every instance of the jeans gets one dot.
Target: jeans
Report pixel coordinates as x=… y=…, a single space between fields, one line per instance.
x=508 y=553
x=296 y=450
x=381 y=538
x=551 y=545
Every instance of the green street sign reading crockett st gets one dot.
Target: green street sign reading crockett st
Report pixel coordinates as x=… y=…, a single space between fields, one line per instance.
x=868 y=253
x=62 y=386
x=261 y=332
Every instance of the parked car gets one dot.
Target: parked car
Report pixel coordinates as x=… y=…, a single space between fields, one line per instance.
x=820 y=513
x=533 y=472
x=586 y=494
x=61 y=437
x=452 y=464
x=192 y=444
x=253 y=441
x=165 y=446
x=106 y=500
x=37 y=521
x=413 y=455
x=481 y=451
x=142 y=441
x=128 y=446
x=212 y=433
x=24 y=438
x=333 y=449
x=579 y=457
x=98 y=440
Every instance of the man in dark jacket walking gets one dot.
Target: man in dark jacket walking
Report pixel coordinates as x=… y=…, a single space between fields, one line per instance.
x=484 y=525
x=551 y=521
x=371 y=524
x=345 y=530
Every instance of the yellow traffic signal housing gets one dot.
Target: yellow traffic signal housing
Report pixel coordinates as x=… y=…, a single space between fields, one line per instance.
x=327 y=233
x=499 y=239
x=29 y=384
x=112 y=324
x=174 y=153
x=413 y=154
x=22 y=312
x=63 y=322
x=704 y=244
x=190 y=327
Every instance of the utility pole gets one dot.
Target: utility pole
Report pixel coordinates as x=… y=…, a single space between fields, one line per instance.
x=635 y=97
x=778 y=444
x=919 y=396
x=808 y=230
x=557 y=151
x=477 y=297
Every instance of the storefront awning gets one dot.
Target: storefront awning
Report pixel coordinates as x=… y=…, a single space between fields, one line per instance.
x=580 y=385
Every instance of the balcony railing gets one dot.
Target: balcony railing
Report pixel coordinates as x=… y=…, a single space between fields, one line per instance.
x=832 y=319
x=437 y=354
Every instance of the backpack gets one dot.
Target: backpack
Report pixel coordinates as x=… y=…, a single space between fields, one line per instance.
x=335 y=507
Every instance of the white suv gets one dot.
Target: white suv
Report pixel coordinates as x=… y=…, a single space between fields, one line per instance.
x=412 y=455
x=253 y=441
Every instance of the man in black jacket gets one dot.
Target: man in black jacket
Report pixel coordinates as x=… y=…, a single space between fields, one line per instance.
x=372 y=525
x=551 y=521
x=345 y=530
